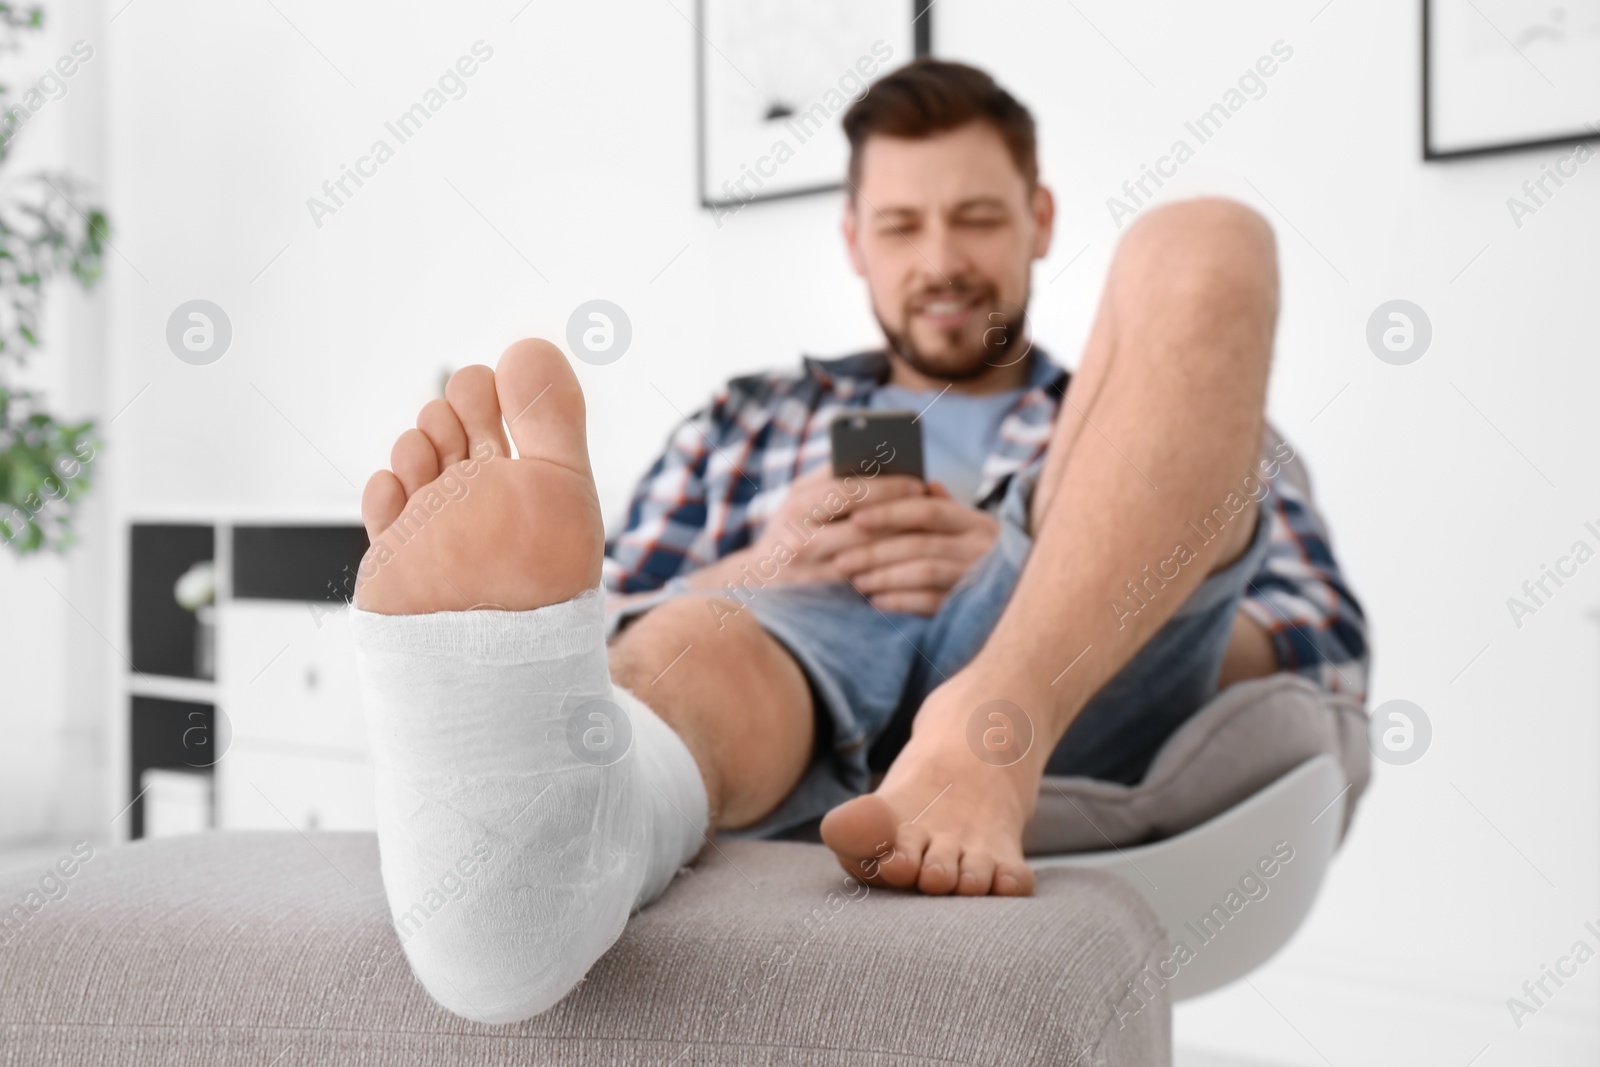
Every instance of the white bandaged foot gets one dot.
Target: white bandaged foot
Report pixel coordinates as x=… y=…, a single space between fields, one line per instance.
x=525 y=806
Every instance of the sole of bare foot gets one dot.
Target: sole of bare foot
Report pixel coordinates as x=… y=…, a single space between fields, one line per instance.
x=458 y=522
x=941 y=822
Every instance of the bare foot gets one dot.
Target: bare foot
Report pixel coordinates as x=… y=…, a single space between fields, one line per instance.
x=943 y=820
x=458 y=523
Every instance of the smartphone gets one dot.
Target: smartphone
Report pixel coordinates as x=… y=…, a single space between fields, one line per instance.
x=867 y=443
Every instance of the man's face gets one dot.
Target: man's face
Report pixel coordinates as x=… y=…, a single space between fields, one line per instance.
x=944 y=230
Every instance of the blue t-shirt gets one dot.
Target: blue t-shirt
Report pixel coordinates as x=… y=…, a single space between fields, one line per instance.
x=958 y=431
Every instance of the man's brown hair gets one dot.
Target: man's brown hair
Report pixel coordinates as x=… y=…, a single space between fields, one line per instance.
x=931 y=96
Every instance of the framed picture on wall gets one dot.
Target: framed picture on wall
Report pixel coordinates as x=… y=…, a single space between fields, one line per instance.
x=1506 y=75
x=773 y=78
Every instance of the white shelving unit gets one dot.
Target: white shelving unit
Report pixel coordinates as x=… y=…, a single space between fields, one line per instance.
x=298 y=753
x=285 y=718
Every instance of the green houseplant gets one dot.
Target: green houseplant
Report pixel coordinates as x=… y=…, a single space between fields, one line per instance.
x=45 y=231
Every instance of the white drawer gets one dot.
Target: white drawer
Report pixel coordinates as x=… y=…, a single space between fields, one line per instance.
x=286 y=673
x=262 y=788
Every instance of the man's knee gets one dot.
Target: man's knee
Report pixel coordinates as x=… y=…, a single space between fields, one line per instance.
x=684 y=625
x=1204 y=221
x=705 y=617
x=1238 y=533
x=730 y=689
x=1209 y=247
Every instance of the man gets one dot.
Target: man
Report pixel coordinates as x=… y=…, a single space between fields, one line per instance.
x=1085 y=566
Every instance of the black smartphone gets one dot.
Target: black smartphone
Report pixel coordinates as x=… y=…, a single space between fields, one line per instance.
x=867 y=443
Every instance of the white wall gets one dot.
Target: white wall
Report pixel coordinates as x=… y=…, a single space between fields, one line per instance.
x=580 y=154
x=1466 y=872
x=52 y=652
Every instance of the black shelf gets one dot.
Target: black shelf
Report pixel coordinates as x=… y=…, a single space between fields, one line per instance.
x=162 y=634
x=315 y=563
x=177 y=735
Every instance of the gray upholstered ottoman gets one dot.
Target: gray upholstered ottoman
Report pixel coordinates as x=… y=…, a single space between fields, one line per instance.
x=276 y=950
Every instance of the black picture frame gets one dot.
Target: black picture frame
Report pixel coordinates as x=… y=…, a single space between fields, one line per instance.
x=1433 y=154
x=922 y=45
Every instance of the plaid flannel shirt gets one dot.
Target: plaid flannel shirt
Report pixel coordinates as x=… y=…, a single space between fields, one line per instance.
x=726 y=469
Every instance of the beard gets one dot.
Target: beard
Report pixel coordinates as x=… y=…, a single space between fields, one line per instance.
x=995 y=335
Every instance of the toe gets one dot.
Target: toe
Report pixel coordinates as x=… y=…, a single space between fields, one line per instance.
x=543 y=404
x=381 y=502
x=977 y=873
x=1013 y=878
x=902 y=866
x=871 y=845
x=438 y=420
x=414 y=460
x=860 y=831
x=941 y=864
x=471 y=392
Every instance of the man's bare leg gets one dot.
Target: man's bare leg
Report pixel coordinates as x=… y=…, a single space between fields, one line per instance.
x=732 y=692
x=1162 y=420
x=1249 y=652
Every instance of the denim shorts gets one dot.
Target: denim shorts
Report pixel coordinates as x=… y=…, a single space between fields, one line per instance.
x=870 y=670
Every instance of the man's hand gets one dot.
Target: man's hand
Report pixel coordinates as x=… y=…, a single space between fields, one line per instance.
x=813 y=524
x=913 y=549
